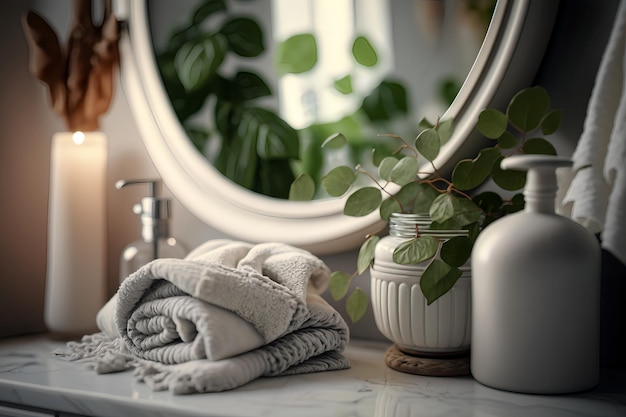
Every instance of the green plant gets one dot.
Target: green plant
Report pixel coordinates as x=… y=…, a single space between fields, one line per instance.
x=401 y=185
x=257 y=148
x=227 y=109
x=256 y=145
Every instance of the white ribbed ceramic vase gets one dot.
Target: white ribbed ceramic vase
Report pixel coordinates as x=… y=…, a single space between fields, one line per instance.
x=400 y=309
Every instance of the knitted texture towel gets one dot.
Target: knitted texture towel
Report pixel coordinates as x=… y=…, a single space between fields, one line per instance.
x=228 y=313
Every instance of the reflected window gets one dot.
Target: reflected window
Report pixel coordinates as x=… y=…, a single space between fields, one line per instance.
x=318 y=95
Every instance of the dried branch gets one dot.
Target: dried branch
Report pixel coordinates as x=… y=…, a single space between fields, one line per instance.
x=80 y=78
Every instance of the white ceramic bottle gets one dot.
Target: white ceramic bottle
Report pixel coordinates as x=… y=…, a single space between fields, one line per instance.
x=536 y=294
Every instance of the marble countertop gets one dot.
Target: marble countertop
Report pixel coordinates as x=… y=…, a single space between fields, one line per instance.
x=30 y=376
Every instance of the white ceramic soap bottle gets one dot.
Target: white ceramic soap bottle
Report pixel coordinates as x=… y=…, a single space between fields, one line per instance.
x=536 y=293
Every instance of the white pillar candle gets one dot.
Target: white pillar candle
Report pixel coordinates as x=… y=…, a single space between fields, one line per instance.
x=77 y=233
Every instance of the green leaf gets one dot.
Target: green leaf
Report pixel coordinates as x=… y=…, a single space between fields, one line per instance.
x=208 y=8
x=178 y=38
x=456 y=251
x=517 y=204
x=378 y=154
x=538 y=146
x=465 y=211
x=302 y=189
x=386 y=167
x=274 y=178
x=366 y=253
x=492 y=123
x=416 y=250
x=405 y=171
x=344 y=84
x=356 y=305
x=244 y=36
x=387 y=100
x=528 y=108
x=489 y=201
x=238 y=160
x=442 y=208
x=389 y=206
x=507 y=179
x=424 y=123
x=473 y=231
x=456 y=211
x=251 y=86
x=413 y=197
x=335 y=141
x=424 y=194
x=470 y=173
x=275 y=138
x=507 y=141
x=338 y=181
x=297 y=54
x=438 y=278
x=551 y=122
x=417 y=197
x=448 y=89
x=223 y=113
x=428 y=143
x=338 y=285
x=450 y=224
x=364 y=52
x=445 y=128
x=362 y=202
x=196 y=62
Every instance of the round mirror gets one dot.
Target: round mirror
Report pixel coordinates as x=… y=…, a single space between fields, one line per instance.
x=507 y=60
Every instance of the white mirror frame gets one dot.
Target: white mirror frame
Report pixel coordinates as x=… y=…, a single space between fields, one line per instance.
x=507 y=61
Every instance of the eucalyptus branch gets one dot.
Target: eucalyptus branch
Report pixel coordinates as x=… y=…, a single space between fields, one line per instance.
x=378 y=184
x=451 y=205
x=461 y=193
x=432 y=182
x=404 y=144
x=436 y=171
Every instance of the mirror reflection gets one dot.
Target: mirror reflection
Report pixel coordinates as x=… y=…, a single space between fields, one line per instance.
x=259 y=85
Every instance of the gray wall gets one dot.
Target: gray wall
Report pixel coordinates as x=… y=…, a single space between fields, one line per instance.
x=27 y=124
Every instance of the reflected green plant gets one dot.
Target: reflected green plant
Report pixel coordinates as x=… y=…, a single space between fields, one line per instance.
x=257 y=148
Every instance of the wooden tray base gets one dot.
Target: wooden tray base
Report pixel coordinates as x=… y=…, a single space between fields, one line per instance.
x=458 y=365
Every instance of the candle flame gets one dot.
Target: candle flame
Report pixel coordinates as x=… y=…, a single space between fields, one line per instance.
x=78 y=138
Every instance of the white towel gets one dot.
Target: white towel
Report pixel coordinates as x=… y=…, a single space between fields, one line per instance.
x=595 y=193
x=228 y=313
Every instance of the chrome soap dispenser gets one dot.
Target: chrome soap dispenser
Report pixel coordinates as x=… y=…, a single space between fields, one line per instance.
x=155 y=240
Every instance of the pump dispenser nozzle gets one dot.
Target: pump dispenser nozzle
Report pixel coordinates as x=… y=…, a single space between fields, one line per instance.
x=154 y=213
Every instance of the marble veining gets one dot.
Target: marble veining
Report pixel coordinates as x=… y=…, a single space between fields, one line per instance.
x=30 y=375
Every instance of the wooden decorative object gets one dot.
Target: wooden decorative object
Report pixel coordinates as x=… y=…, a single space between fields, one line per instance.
x=80 y=77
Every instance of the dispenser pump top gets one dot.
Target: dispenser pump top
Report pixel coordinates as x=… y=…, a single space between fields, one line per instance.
x=541 y=183
x=154 y=212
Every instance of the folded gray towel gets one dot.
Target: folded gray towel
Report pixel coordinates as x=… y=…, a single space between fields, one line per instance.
x=228 y=313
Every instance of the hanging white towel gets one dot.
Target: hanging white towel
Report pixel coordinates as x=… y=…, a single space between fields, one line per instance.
x=596 y=195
